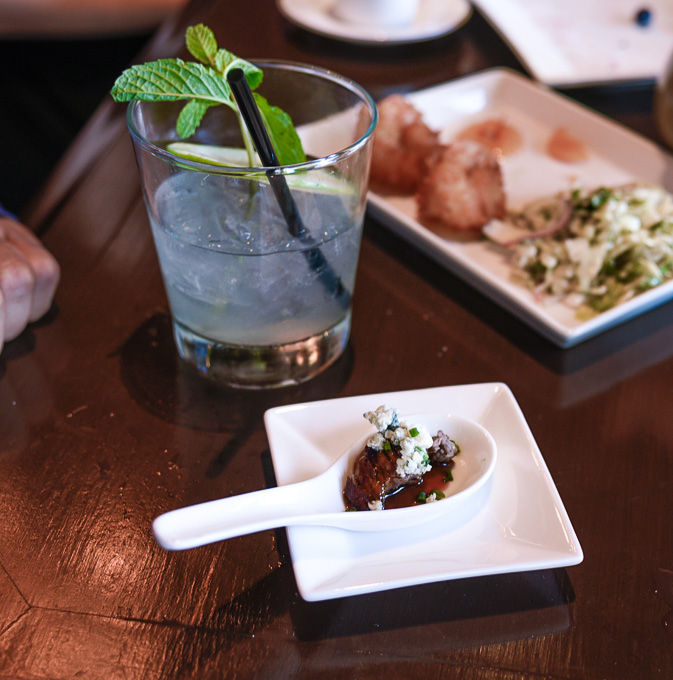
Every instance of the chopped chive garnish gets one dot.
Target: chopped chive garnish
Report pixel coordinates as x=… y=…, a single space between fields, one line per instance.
x=422 y=497
x=448 y=476
x=413 y=432
x=386 y=446
x=456 y=445
x=439 y=494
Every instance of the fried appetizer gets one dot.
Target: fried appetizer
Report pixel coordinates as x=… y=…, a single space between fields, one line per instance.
x=463 y=189
x=403 y=143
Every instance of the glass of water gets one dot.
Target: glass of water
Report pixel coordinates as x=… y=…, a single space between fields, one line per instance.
x=258 y=297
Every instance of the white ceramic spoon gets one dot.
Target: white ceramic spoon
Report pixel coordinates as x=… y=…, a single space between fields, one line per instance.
x=319 y=501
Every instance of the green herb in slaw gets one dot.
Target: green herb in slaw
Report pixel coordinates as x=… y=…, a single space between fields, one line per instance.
x=592 y=250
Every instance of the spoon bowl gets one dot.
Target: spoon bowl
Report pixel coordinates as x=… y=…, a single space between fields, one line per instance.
x=319 y=500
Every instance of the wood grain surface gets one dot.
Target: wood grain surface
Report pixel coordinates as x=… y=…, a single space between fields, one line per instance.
x=102 y=428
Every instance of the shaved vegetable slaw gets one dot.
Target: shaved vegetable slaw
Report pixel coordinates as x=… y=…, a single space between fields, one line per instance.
x=593 y=250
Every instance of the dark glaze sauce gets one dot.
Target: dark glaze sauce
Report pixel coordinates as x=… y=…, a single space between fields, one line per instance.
x=433 y=480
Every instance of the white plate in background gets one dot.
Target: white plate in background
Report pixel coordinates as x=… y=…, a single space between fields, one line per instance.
x=435 y=19
x=584 y=42
x=617 y=156
x=516 y=522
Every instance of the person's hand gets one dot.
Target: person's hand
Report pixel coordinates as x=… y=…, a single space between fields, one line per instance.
x=29 y=275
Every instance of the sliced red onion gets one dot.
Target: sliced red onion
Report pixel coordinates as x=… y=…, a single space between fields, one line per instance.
x=507 y=235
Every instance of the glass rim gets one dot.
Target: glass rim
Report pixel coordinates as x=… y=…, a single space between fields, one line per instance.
x=312 y=164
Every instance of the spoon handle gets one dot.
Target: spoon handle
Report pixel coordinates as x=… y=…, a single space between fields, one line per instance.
x=196 y=525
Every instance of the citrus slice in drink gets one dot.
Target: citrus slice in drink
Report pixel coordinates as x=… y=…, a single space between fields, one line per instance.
x=318 y=180
x=228 y=156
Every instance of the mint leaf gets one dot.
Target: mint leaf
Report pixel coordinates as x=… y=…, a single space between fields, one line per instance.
x=201 y=43
x=281 y=130
x=223 y=60
x=170 y=80
x=190 y=117
x=203 y=84
x=253 y=74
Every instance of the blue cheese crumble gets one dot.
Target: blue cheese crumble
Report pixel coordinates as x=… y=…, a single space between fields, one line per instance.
x=413 y=441
x=383 y=418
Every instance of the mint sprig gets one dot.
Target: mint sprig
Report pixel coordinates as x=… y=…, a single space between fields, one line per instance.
x=203 y=84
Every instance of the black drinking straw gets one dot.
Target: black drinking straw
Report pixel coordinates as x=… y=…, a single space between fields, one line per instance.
x=260 y=137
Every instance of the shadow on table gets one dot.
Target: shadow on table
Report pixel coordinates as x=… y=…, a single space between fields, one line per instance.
x=594 y=366
x=455 y=614
x=163 y=385
x=445 y=616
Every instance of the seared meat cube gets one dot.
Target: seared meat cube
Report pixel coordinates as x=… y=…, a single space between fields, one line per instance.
x=442 y=450
x=374 y=477
x=463 y=189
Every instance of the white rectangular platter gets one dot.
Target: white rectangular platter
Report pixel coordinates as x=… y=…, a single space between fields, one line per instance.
x=616 y=156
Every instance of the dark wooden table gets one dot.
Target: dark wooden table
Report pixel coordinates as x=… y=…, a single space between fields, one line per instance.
x=101 y=429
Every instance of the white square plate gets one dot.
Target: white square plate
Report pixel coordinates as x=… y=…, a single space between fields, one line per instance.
x=580 y=42
x=516 y=522
x=617 y=156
